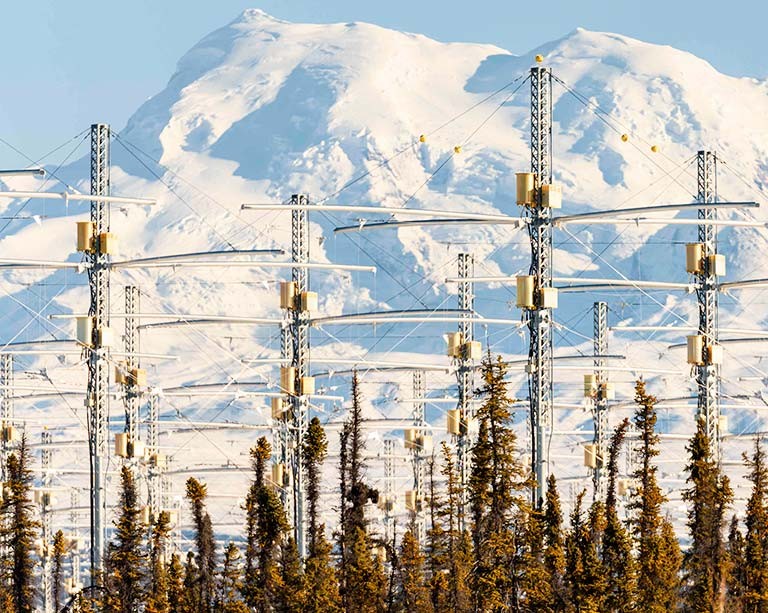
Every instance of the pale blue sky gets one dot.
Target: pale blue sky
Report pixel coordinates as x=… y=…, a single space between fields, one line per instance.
x=68 y=63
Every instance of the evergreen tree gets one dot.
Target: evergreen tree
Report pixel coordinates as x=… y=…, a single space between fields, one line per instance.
x=449 y=549
x=669 y=569
x=190 y=595
x=292 y=594
x=125 y=566
x=18 y=533
x=437 y=540
x=412 y=593
x=366 y=580
x=176 y=585
x=554 y=551
x=709 y=494
x=756 y=541
x=229 y=599
x=314 y=449
x=585 y=577
x=536 y=581
x=204 y=544
x=343 y=534
x=260 y=455
x=359 y=493
x=364 y=584
x=737 y=577
x=321 y=580
x=648 y=524
x=496 y=483
x=319 y=574
x=265 y=525
x=617 y=543
x=57 y=568
x=159 y=582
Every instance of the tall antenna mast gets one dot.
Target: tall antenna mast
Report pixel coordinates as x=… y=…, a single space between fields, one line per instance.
x=74 y=517
x=389 y=489
x=539 y=314
x=468 y=352
x=420 y=442
x=302 y=384
x=157 y=461
x=98 y=358
x=601 y=395
x=710 y=266
x=134 y=376
x=46 y=520
x=6 y=411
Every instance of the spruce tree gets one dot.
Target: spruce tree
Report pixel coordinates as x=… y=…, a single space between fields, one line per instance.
x=159 y=581
x=708 y=496
x=343 y=534
x=669 y=569
x=496 y=485
x=737 y=577
x=57 y=568
x=536 y=582
x=364 y=584
x=554 y=545
x=229 y=599
x=190 y=595
x=126 y=561
x=449 y=549
x=266 y=524
x=359 y=492
x=205 y=545
x=314 y=449
x=656 y=578
x=617 y=543
x=366 y=580
x=292 y=594
x=438 y=543
x=175 y=585
x=321 y=580
x=412 y=593
x=319 y=574
x=756 y=540
x=18 y=532
x=585 y=577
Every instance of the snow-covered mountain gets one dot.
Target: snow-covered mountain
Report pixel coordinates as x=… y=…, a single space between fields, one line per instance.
x=262 y=108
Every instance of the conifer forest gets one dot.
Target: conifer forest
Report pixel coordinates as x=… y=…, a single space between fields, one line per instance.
x=505 y=555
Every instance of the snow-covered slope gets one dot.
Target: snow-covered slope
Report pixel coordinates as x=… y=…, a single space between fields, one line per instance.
x=262 y=109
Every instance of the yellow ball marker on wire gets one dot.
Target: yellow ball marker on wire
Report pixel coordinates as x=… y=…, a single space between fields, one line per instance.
x=539 y=59
x=655 y=148
x=457 y=149
x=422 y=138
x=624 y=138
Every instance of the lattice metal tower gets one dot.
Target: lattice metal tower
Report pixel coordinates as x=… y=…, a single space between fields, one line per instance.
x=281 y=425
x=465 y=374
x=155 y=469
x=97 y=398
x=46 y=520
x=74 y=518
x=419 y=450
x=540 y=318
x=6 y=409
x=389 y=489
x=297 y=345
x=132 y=348
x=169 y=501
x=708 y=374
x=600 y=401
